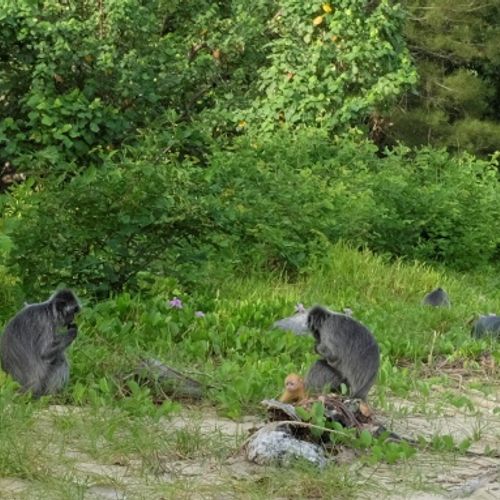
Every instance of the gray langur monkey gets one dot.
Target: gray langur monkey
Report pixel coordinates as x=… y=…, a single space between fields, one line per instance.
x=347 y=346
x=322 y=377
x=31 y=349
x=486 y=326
x=437 y=298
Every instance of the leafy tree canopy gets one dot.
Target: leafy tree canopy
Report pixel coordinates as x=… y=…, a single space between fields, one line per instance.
x=78 y=79
x=456 y=45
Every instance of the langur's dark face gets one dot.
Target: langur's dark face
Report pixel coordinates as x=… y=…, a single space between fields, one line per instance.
x=69 y=318
x=314 y=324
x=72 y=312
x=66 y=306
x=310 y=324
x=69 y=312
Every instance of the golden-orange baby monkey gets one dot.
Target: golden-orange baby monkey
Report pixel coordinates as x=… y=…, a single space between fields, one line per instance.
x=294 y=389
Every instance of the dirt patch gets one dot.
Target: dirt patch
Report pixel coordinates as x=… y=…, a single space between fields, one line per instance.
x=9 y=488
x=208 y=422
x=474 y=475
x=201 y=473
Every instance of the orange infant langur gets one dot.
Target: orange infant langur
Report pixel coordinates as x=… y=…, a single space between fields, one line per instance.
x=294 y=389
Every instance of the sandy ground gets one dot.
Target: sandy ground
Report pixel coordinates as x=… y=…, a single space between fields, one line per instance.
x=473 y=475
x=428 y=475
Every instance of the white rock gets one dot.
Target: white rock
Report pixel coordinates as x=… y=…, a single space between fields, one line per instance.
x=296 y=323
x=278 y=447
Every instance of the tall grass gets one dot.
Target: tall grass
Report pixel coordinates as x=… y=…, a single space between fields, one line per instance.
x=242 y=360
x=233 y=348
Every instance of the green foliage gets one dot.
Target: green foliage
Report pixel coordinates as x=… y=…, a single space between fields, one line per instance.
x=390 y=452
x=78 y=79
x=316 y=417
x=232 y=350
x=477 y=135
x=431 y=207
x=272 y=204
x=55 y=71
x=105 y=226
x=17 y=457
x=287 y=196
x=143 y=128
x=10 y=290
x=446 y=442
x=377 y=449
x=331 y=66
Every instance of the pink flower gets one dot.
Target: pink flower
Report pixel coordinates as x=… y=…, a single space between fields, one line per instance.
x=199 y=314
x=175 y=303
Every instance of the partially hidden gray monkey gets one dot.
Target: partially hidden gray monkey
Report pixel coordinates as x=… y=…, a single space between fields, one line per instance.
x=437 y=298
x=32 y=350
x=488 y=325
x=347 y=346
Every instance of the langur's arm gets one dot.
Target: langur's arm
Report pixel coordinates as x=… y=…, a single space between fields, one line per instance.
x=59 y=344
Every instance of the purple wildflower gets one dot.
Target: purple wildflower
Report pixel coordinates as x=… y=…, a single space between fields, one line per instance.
x=199 y=314
x=175 y=303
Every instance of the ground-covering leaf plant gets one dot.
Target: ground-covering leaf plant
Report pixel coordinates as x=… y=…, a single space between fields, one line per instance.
x=221 y=335
x=193 y=170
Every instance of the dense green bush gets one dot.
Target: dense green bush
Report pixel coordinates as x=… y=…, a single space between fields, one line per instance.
x=77 y=79
x=101 y=228
x=436 y=207
x=10 y=286
x=289 y=194
x=271 y=203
